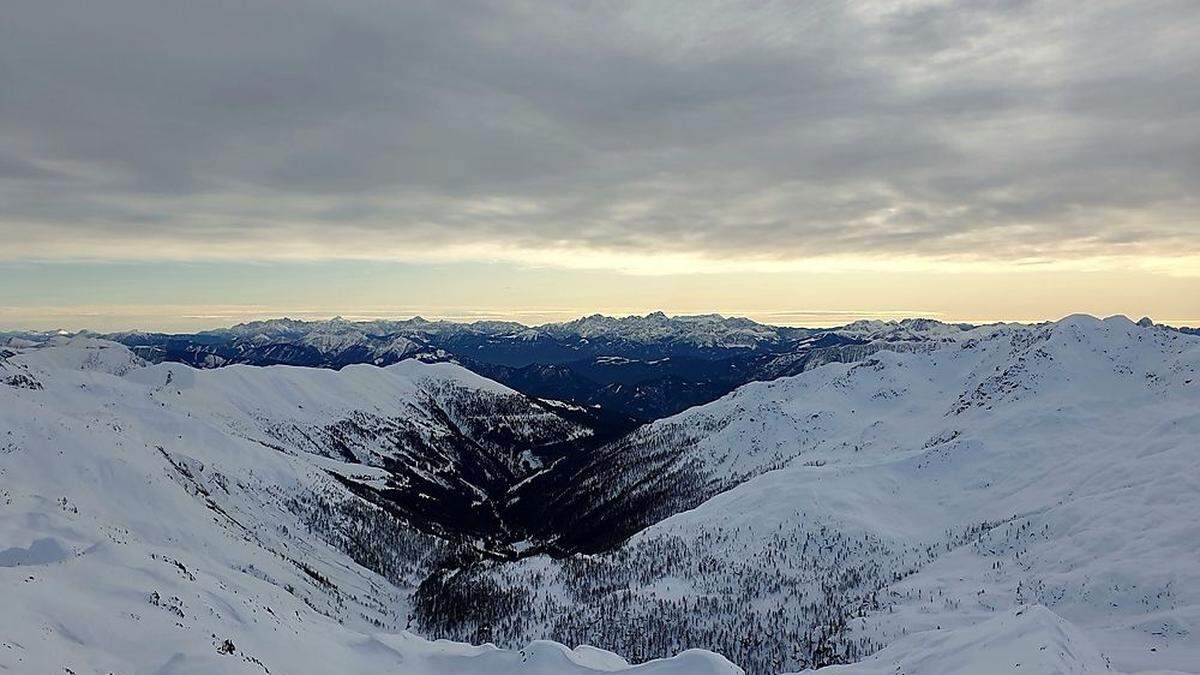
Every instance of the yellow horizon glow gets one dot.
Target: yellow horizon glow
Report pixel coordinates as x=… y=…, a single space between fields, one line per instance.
x=1182 y=263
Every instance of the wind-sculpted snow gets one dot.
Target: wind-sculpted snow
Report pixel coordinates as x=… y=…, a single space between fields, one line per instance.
x=822 y=516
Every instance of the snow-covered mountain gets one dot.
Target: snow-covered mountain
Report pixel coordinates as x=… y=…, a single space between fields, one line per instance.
x=158 y=518
x=336 y=342
x=704 y=331
x=816 y=518
x=909 y=497
x=631 y=369
x=627 y=370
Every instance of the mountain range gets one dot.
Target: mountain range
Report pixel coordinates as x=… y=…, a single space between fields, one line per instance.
x=627 y=370
x=881 y=497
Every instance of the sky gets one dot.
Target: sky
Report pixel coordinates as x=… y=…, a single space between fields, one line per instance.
x=172 y=165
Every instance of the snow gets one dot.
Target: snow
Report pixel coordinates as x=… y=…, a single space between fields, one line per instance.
x=701 y=330
x=544 y=657
x=614 y=360
x=1085 y=430
x=563 y=405
x=143 y=527
x=708 y=330
x=1029 y=640
x=1031 y=488
x=1011 y=465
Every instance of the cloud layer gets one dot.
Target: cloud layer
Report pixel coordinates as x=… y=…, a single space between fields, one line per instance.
x=591 y=133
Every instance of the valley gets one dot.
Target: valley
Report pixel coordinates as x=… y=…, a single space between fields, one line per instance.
x=895 y=482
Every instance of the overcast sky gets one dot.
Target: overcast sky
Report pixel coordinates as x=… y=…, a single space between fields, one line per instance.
x=791 y=142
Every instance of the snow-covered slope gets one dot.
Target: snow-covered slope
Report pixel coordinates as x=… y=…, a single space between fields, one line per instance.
x=835 y=512
x=1029 y=640
x=159 y=519
x=1007 y=495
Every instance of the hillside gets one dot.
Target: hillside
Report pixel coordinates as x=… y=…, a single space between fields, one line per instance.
x=162 y=519
x=823 y=516
x=929 y=499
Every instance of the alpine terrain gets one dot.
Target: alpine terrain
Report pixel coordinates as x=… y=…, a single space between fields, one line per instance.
x=645 y=494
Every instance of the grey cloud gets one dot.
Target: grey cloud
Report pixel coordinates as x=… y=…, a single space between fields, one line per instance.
x=999 y=128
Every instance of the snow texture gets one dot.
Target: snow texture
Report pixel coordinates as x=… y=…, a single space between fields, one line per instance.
x=144 y=526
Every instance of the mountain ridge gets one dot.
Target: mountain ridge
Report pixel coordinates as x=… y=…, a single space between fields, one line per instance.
x=902 y=505
x=910 y=491
x=685 y=360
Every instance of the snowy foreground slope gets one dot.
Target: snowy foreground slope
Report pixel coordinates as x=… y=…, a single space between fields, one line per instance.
x=908 y=500
x=156 y=519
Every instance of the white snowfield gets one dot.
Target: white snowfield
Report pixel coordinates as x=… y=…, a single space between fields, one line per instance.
x=1021 y=640
x=1029 y=495
x=1051 y=467
x=142 y=525
x=1078 y=443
